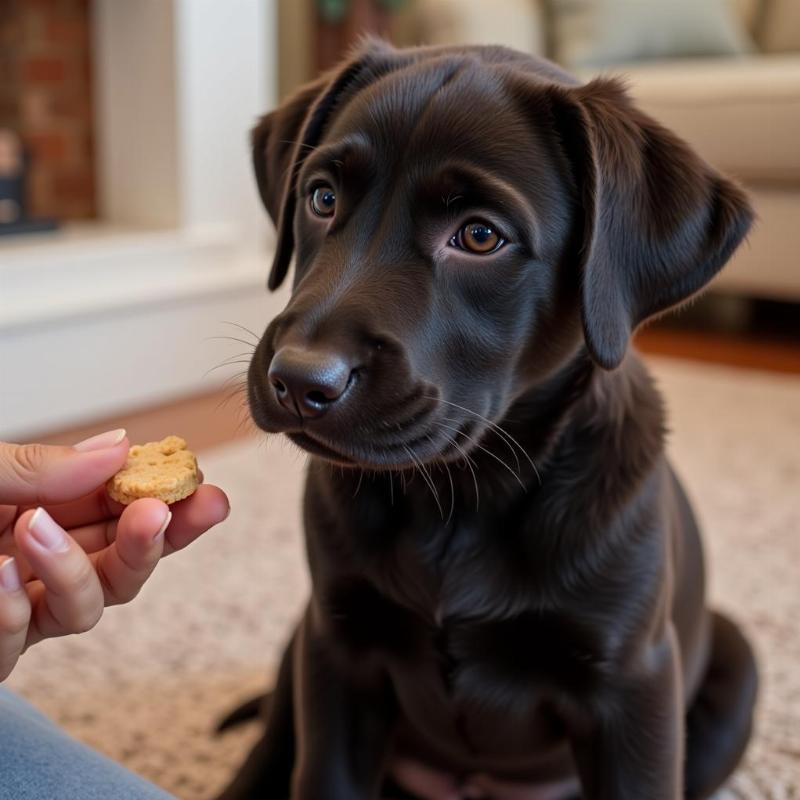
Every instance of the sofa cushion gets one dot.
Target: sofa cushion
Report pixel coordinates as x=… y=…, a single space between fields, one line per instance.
x=594 y=33
x=742 y=115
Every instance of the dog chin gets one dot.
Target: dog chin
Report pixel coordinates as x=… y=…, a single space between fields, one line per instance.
x=317 y=448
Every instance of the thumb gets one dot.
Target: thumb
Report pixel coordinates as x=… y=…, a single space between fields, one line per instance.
x=39 y=474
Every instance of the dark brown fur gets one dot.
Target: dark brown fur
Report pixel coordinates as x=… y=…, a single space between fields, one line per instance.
x=536 y=626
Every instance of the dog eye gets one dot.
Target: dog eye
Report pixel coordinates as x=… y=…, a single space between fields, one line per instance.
x=477 y=237
x=323 y=201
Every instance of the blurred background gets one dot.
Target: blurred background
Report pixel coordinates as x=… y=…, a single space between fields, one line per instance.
x=130 y=231
x=133 y=262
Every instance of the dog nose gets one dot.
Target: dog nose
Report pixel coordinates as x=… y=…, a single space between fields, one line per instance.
x=308 y=382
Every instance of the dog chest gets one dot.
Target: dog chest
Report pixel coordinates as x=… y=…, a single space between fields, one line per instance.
x=505 y=663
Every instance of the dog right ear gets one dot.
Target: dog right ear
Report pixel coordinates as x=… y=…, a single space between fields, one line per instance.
x=658 y=222
x=283 y=138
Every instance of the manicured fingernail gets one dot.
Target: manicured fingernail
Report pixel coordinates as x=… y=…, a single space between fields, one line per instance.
x=9 y=576
x=163 y=527
x=101 y=441
x=47 y=532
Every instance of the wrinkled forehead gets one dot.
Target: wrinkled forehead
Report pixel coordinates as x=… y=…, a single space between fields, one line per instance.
x=446 y=107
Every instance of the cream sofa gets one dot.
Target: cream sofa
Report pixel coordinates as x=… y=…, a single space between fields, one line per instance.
x=741 y=113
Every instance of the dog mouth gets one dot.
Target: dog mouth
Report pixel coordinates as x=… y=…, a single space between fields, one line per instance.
x=427 y=444
x=415 y=431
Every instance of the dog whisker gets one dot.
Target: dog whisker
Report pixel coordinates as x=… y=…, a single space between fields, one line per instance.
x=239 y=389
x=488 y=453
x=240 y=376
x=418 y=465
x=251 y=345
x=227 y=363
x=470 y=462
x=244 y=420
x=452 y=487
x=234 y=384
x=466 y=456
x=358 y=485
x=244 y=328
x=426 y=471
x=502 y=432
x=496 y=429
x=452 y=494
x=224 y=402
x=229 y=359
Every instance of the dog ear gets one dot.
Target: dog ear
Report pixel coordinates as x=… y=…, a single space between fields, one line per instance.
x=283 y=138
x=273 y=143
x=659 y=222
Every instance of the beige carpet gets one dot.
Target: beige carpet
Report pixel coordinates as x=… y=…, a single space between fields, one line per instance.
x=147 y=683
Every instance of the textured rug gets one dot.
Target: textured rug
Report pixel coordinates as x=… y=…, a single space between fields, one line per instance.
x=147 y=684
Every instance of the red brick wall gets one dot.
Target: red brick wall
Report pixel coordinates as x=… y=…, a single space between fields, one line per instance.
x=45 y=95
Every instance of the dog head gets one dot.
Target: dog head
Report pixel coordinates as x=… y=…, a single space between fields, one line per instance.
x=463 y=222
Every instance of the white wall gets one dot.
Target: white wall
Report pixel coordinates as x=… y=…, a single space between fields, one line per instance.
x=134 y=102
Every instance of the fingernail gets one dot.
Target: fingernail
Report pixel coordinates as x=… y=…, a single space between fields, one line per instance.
x=47 y=532
x=101 y=441
x=9 y=576
x=163 y=527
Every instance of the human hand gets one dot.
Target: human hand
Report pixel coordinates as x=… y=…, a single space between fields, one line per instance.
x=67 y=550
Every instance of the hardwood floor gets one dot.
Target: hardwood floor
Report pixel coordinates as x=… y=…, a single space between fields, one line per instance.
x=753 y=334
x=757 y=335
x=204 y=420
x=734 y=351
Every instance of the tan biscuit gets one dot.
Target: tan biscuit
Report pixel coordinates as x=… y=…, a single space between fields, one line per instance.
x=165 y=470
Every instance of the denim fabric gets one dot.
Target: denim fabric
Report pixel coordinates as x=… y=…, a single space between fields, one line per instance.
x=40 y=762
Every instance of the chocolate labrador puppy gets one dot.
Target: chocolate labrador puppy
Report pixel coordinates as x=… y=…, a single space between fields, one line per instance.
x=508 y=582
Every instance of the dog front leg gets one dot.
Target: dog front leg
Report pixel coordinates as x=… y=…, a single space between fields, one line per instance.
x=343 y=728
x=633 y=748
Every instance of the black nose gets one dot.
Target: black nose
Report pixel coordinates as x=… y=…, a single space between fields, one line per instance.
x=308 y=382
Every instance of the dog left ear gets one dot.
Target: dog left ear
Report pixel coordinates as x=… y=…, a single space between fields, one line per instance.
x=659 y=222
x=283 y=138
